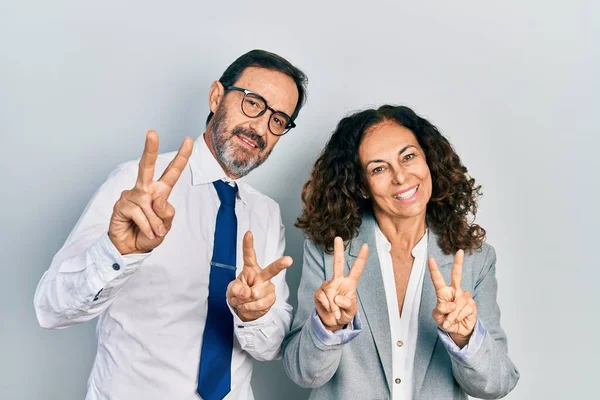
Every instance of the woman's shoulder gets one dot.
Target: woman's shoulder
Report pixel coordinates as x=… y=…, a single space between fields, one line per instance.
x=313 y=249
x=480 y=260
x=486 y=251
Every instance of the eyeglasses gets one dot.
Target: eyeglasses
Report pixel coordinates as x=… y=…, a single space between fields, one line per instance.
x=254 y=105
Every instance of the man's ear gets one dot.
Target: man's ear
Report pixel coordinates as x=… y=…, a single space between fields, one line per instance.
x=215 y=95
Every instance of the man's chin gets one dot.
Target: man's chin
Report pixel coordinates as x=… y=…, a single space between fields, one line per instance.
x=245 y=164
x=246 y=157
x=240 y=166
x=241 y=160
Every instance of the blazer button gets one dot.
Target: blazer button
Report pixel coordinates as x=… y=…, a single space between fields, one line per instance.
x=116 y=266
x=398 y=380
x=399 y=343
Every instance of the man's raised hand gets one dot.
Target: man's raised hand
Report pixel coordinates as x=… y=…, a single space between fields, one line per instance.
x=252 y=294
x=143 y=216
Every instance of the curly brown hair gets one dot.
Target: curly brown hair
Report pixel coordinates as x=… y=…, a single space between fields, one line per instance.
x=333 y=202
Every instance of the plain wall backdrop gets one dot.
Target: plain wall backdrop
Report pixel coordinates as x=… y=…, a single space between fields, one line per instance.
x=514 y=85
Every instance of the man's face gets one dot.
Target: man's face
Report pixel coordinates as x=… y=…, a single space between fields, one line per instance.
x=241 y=143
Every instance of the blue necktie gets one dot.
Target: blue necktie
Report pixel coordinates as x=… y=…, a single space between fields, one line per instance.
x=214 y=376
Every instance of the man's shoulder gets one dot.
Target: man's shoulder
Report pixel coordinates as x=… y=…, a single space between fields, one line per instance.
x=163 y=160
x=129 y=169
x=125 y=170
x=257 y=197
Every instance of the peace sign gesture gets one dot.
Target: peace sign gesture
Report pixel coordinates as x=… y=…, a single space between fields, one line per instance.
x=142 y=216
x=335 y=300
x=252 y=293
x=455 y=311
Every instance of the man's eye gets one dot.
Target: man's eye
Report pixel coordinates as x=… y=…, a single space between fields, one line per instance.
x=252 y=103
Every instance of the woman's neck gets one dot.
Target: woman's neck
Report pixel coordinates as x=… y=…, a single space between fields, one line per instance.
x=403 y=232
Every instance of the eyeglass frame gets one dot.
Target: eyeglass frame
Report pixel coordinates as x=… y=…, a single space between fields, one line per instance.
x=246 y=92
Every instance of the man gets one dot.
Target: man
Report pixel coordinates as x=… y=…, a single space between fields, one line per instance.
x=174 y=321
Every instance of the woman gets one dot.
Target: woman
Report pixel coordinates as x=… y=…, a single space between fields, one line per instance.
x=408 y=309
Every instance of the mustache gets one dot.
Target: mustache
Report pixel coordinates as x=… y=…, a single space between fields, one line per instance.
x=260 y=142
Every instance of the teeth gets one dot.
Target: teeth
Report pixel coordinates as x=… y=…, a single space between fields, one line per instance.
x=406 y=195
x=248 y=142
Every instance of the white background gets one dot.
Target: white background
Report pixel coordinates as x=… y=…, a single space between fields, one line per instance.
x=513 y=84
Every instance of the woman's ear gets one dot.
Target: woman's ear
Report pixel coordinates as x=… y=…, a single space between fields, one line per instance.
x=363 y=193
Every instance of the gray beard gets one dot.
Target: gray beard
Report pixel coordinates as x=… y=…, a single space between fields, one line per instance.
x=228 y=154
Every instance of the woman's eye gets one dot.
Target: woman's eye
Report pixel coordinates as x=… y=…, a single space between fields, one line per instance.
x=377 y=170
x=409 y=157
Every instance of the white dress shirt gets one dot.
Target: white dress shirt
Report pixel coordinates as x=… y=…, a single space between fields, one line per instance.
x=404 y=328
x=152 y=307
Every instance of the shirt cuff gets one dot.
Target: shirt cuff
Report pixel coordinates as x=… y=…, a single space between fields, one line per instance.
x=474 y=344
x=338 y=337
x=108 y=263
x=257 y=323
x=246 y=331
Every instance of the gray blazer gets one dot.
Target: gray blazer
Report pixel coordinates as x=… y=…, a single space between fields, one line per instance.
x=362 y=368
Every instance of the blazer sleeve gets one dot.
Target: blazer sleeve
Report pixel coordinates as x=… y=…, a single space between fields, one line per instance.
x=307 y=361
x=489 y=373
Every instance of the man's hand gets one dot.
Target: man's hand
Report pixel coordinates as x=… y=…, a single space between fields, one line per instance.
x=335 y=300
x=455 y=311
x=142 y=216
x=252 y=294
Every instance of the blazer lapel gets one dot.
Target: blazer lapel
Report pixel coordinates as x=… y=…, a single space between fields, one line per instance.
x=371 y=294
x=427 y=334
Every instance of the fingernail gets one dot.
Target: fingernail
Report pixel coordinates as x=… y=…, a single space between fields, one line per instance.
x=255 y=292
x=338 y=315
x=446 y=324
x=162 y=231
x=151 y=236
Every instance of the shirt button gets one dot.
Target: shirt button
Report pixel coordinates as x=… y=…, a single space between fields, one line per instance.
x=399 y=343
x=116 y=267
x=398 y=380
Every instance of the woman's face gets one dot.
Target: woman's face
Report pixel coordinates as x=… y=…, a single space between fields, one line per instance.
x=395 y=170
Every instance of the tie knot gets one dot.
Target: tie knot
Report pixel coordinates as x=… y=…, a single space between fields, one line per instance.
x=226 y=192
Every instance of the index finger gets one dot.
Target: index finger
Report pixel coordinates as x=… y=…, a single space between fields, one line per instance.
x=275 y=268
x=248 y=250
x=457 y=267
x=148 y=160
x=338 y=258
x=359 y=264
x=176 y=166
x=436 y=276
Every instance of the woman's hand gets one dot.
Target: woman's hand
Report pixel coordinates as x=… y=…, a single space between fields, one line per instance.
x=335 y=300
x=455 y=311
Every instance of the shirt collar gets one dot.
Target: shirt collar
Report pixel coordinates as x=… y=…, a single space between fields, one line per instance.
x=420 y=249
x=206 y=169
